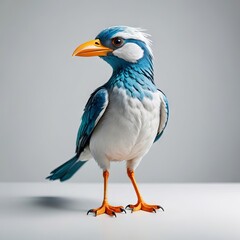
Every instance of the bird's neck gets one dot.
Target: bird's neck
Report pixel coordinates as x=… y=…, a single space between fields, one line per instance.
x=142 y=66
x=136 y=79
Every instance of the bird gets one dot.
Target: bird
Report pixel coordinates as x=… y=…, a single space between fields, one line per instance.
x=124 y=116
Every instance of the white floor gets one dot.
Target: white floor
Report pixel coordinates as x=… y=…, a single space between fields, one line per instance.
x=55 y=210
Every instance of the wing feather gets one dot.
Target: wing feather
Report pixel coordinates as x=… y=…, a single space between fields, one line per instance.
x=164 y=114
x=93 y=112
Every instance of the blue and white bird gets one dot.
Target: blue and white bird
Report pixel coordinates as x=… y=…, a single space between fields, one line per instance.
x=124 y=116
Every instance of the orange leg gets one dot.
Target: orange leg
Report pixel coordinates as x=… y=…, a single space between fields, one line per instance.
x=106 y=208
x=140 y=205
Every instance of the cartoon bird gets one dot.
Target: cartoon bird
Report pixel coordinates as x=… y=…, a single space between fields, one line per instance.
x=124 y=116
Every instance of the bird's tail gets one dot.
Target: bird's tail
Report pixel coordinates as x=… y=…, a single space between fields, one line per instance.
x=66 y=170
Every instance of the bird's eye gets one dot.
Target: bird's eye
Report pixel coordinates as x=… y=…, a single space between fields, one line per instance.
x=117 y=41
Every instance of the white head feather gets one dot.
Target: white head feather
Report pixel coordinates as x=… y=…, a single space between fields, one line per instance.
x=133 y=33
x=136 y=33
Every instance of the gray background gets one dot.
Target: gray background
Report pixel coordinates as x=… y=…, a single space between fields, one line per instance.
x=43 y=89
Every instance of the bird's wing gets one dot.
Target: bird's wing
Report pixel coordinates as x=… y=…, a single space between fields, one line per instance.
x=93 y=112
x=164 y=114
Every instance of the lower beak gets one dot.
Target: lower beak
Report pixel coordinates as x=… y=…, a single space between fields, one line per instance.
x=91 y=48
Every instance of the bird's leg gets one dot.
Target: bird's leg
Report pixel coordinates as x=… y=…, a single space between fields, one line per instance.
x=106 y=208
x=140 y=205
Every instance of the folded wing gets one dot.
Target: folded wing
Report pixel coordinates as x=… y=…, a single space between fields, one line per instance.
x=164 y=114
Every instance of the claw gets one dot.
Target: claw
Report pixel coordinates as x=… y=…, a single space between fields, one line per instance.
x=159 y=207
x=107 y=209
x=123 y=210
x=90 y=211
x=141 y=205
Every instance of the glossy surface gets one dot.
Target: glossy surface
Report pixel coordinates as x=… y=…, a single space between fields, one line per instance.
x=56 y=211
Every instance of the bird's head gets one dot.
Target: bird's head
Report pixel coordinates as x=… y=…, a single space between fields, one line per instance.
x=120 y=46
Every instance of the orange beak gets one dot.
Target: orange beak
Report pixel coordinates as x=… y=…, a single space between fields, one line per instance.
x=91 y=48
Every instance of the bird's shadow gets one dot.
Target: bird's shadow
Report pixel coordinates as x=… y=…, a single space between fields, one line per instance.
x=56 y=203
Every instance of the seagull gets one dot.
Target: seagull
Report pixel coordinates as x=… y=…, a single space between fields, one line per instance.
x=123 y=117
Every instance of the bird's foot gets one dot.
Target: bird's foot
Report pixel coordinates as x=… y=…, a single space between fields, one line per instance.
x=141 y=205
x=107 y=209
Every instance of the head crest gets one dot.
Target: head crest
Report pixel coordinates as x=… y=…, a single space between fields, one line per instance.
x=128 y=33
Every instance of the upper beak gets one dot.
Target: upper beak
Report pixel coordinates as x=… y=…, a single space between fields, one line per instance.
x=91 y=48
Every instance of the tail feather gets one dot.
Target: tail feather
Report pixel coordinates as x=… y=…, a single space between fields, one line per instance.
x=66 y=170
x=72 y=170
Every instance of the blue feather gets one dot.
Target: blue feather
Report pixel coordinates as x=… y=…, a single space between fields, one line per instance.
x=66 y=170
x=72 y=170
x=95 y=106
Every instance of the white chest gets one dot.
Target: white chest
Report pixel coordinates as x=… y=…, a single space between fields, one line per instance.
x=127 y=128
